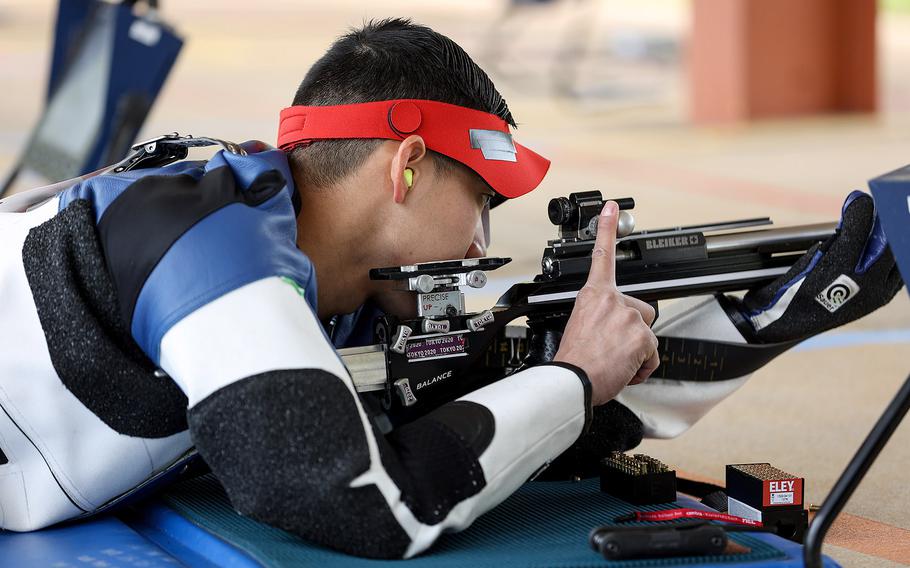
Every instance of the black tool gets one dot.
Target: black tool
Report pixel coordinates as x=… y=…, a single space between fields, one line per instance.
x=690 y=539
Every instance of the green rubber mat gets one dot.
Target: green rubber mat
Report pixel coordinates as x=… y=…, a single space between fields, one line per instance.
x=542 y=524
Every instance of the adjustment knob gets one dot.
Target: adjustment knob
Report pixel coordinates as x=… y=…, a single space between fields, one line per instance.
x=425 y=283
x=476 y=279
x=435 y=326
x=478 y=322
x=625 y=224
x=403 y=387
x=401 y=338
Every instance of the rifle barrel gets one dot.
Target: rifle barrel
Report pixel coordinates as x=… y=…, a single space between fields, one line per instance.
x=783 y=238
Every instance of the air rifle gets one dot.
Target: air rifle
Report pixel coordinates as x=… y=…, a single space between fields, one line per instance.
x=417 y=364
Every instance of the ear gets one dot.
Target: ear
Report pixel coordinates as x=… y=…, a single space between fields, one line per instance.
x=409 y=153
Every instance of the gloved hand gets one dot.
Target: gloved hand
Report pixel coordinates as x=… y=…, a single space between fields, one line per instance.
x=851 y=274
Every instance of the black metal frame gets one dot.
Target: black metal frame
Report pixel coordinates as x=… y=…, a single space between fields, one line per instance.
x=853 y=474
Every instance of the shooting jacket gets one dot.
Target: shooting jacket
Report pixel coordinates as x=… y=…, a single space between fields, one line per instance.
x=146 y=312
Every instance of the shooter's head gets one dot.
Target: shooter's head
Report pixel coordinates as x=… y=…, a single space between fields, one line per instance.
x=399 y=128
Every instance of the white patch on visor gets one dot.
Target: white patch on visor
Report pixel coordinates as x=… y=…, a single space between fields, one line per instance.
x=494 y=144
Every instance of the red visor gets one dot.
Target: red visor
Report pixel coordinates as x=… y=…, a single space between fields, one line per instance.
x=477 y=139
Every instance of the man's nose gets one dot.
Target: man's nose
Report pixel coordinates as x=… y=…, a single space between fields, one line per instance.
x=476 y=250
x=478 y=247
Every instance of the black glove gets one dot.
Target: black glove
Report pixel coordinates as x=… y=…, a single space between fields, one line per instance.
x=851 y=274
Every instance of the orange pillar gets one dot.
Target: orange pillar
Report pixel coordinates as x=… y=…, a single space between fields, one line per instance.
x=768 y=58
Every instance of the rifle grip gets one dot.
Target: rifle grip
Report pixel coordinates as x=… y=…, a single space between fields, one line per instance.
x=543 y=345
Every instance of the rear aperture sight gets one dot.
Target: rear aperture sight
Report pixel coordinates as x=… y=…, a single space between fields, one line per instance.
x=576 y=215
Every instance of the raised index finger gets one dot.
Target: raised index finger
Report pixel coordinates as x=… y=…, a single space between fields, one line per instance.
x=603 y=256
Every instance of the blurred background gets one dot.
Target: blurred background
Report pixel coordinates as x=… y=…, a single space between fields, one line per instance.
x=702 y=110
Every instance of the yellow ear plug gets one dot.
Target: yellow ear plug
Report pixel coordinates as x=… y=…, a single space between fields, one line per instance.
x=408 y=177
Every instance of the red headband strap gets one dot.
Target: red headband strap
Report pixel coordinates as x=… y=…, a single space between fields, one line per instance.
x=479 y=140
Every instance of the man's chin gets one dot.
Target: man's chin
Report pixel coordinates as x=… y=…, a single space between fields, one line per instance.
x=399 y=303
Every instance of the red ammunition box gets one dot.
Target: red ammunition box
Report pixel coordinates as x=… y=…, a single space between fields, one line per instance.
x=761 y=492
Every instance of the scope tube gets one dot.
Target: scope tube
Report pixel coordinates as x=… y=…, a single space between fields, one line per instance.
x=785 y=238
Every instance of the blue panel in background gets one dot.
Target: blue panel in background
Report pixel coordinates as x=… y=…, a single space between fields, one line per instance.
x=109 y=64
x=892 y=202
x=72 y=16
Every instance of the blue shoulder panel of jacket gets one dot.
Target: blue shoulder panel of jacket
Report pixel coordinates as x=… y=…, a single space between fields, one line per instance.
x=233 y=246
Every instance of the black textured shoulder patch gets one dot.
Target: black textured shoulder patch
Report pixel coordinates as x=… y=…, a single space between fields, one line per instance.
x=90 y=347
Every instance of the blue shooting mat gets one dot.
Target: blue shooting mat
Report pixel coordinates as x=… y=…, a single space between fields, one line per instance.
x=542 y=524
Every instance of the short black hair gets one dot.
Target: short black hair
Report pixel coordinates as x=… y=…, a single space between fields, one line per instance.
x=385 y=60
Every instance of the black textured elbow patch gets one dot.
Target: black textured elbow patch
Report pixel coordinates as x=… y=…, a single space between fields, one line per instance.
x=286 y=446
x=90 y=347
x=438 y=455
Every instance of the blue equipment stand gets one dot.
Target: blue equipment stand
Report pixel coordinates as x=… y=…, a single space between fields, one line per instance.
x=891 y=193
x=109 y=63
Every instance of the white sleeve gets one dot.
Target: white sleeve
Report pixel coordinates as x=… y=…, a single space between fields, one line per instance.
x=536 y=415
x=274 y=413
